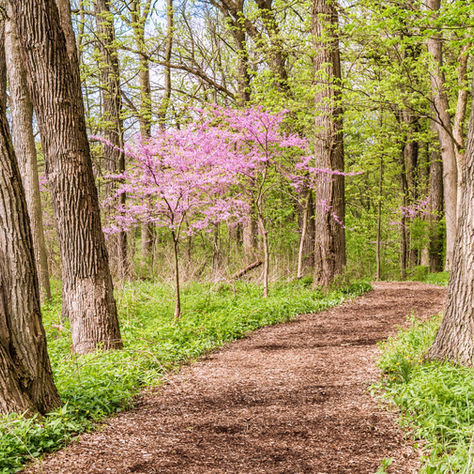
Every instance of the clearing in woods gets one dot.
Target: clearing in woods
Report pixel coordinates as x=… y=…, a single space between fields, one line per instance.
x=290 y=398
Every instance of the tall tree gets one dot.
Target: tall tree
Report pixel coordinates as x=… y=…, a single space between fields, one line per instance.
x=26 y=381
x=455 y=338
x=330 y=247
x=165 y=102
x=139 y=15
x=53 y=77
x=445 y=134
x=436 y=237
x=25 y=147
x=112 y=121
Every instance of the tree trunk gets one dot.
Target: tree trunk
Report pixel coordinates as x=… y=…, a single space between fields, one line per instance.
x=26 y=381
x=266 y=255
x=306 y=247
x=22 y=126
x=177 y=286
x=455 y=338
x=138 y=25
x=65 y=20
x=330 y=244
x=169 y=48
x=88 y=299
x=403 y=224
x=445 y=134
x=113 y=123
x=436 y=246
x=378 y=250
x=411 y=155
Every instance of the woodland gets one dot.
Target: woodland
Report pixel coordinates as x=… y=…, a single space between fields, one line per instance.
x=175 y=174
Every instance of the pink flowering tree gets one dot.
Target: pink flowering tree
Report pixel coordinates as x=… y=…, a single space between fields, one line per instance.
x=182 y=180
x=267 y=155
x=191 y=179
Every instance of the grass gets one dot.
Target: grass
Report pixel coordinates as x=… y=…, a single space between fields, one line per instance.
x=436 y=400
x=441 y=278
x=97 y=385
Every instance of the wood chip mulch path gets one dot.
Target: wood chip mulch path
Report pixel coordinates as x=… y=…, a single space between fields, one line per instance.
x=291 y=398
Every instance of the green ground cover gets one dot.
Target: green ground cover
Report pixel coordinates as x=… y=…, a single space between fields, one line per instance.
x=436 y=400
x=97 y=385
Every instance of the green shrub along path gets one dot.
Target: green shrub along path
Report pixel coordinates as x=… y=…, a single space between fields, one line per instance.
x=437 y=400
x=95 y=386
x=292 y=397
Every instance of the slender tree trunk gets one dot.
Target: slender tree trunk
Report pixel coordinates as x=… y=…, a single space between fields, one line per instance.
x=378 y=253
x=26 y=380
x=411 y=153
x=276 y=52
x=234 y=14
x=88 y=299
x=330 y=245
x=266 y=255
x=304 y=226
x=436 y=211
x=169 y=49
x=249 y=236
x=113 y=123
x=177 y=308
x=446 y=138
x=455 y=338
x=25 y=147
x=403 y=227
x=139 y=18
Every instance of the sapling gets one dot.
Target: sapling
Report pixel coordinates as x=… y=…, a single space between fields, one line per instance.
x=181 y=180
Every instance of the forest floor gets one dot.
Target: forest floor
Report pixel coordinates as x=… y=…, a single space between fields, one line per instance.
x=290 y=398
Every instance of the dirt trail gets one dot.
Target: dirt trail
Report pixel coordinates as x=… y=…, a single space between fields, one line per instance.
x=288 y=399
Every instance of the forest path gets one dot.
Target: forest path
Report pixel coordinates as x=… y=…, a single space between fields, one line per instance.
x=290 y=398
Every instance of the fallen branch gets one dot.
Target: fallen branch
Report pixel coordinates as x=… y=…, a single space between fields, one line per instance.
x=240 y=274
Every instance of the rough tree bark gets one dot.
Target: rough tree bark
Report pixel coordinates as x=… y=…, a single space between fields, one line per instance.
x=330 y=244
x=26 y=381
x=113 y=123
x=455 y=338
x=446 y=137
x=21 y=110
x=88 y=299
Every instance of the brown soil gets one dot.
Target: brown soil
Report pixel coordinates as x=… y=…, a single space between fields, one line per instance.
x=290 y=398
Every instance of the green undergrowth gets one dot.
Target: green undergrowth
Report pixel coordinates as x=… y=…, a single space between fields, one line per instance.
x=436 y=400
x=97 y=385
x=441 y=278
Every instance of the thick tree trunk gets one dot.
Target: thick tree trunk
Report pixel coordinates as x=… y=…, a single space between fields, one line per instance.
x=446 y=138
x=455 y=338
x=26 y=381
x=436 y=246
x=330 y=245
x=113 y=123
x=65 y=20
x=22 y=126
x=88 y=299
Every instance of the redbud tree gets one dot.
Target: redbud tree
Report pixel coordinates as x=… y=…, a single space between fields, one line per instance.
x=189 y=180
x=182 y=180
